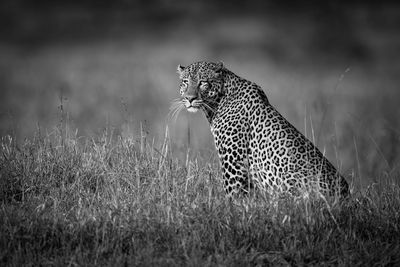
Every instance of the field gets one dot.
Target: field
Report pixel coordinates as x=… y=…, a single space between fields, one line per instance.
x=343 y=85
x=71 y=201
x=94 y=173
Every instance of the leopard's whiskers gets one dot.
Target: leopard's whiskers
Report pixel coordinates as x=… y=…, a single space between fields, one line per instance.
x=175 y=108
x=207 y=106
x=178 y=110
x=212 y=101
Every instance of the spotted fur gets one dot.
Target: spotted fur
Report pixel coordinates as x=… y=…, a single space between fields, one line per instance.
x=255 y=143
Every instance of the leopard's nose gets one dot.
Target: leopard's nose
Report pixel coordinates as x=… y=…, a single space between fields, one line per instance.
x=190 y=98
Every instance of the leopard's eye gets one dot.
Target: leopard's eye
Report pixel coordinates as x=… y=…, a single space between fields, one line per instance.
x=184 y=83
x=204 y=85
x=211 y=93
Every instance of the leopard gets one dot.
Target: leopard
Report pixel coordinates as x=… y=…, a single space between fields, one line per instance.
x=257 y=147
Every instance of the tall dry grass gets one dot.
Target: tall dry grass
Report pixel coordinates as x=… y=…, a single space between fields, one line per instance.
x=110 y=200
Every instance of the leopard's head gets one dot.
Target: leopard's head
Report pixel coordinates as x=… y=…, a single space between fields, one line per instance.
x=201 y=86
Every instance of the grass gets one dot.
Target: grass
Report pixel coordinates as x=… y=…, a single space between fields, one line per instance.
x=110 y=200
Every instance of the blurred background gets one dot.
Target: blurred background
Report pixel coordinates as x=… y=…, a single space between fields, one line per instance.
x=332 y=68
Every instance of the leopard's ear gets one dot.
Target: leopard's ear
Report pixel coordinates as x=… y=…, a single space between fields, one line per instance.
x=180 y=69
x=218 y=69
x=220 y=66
